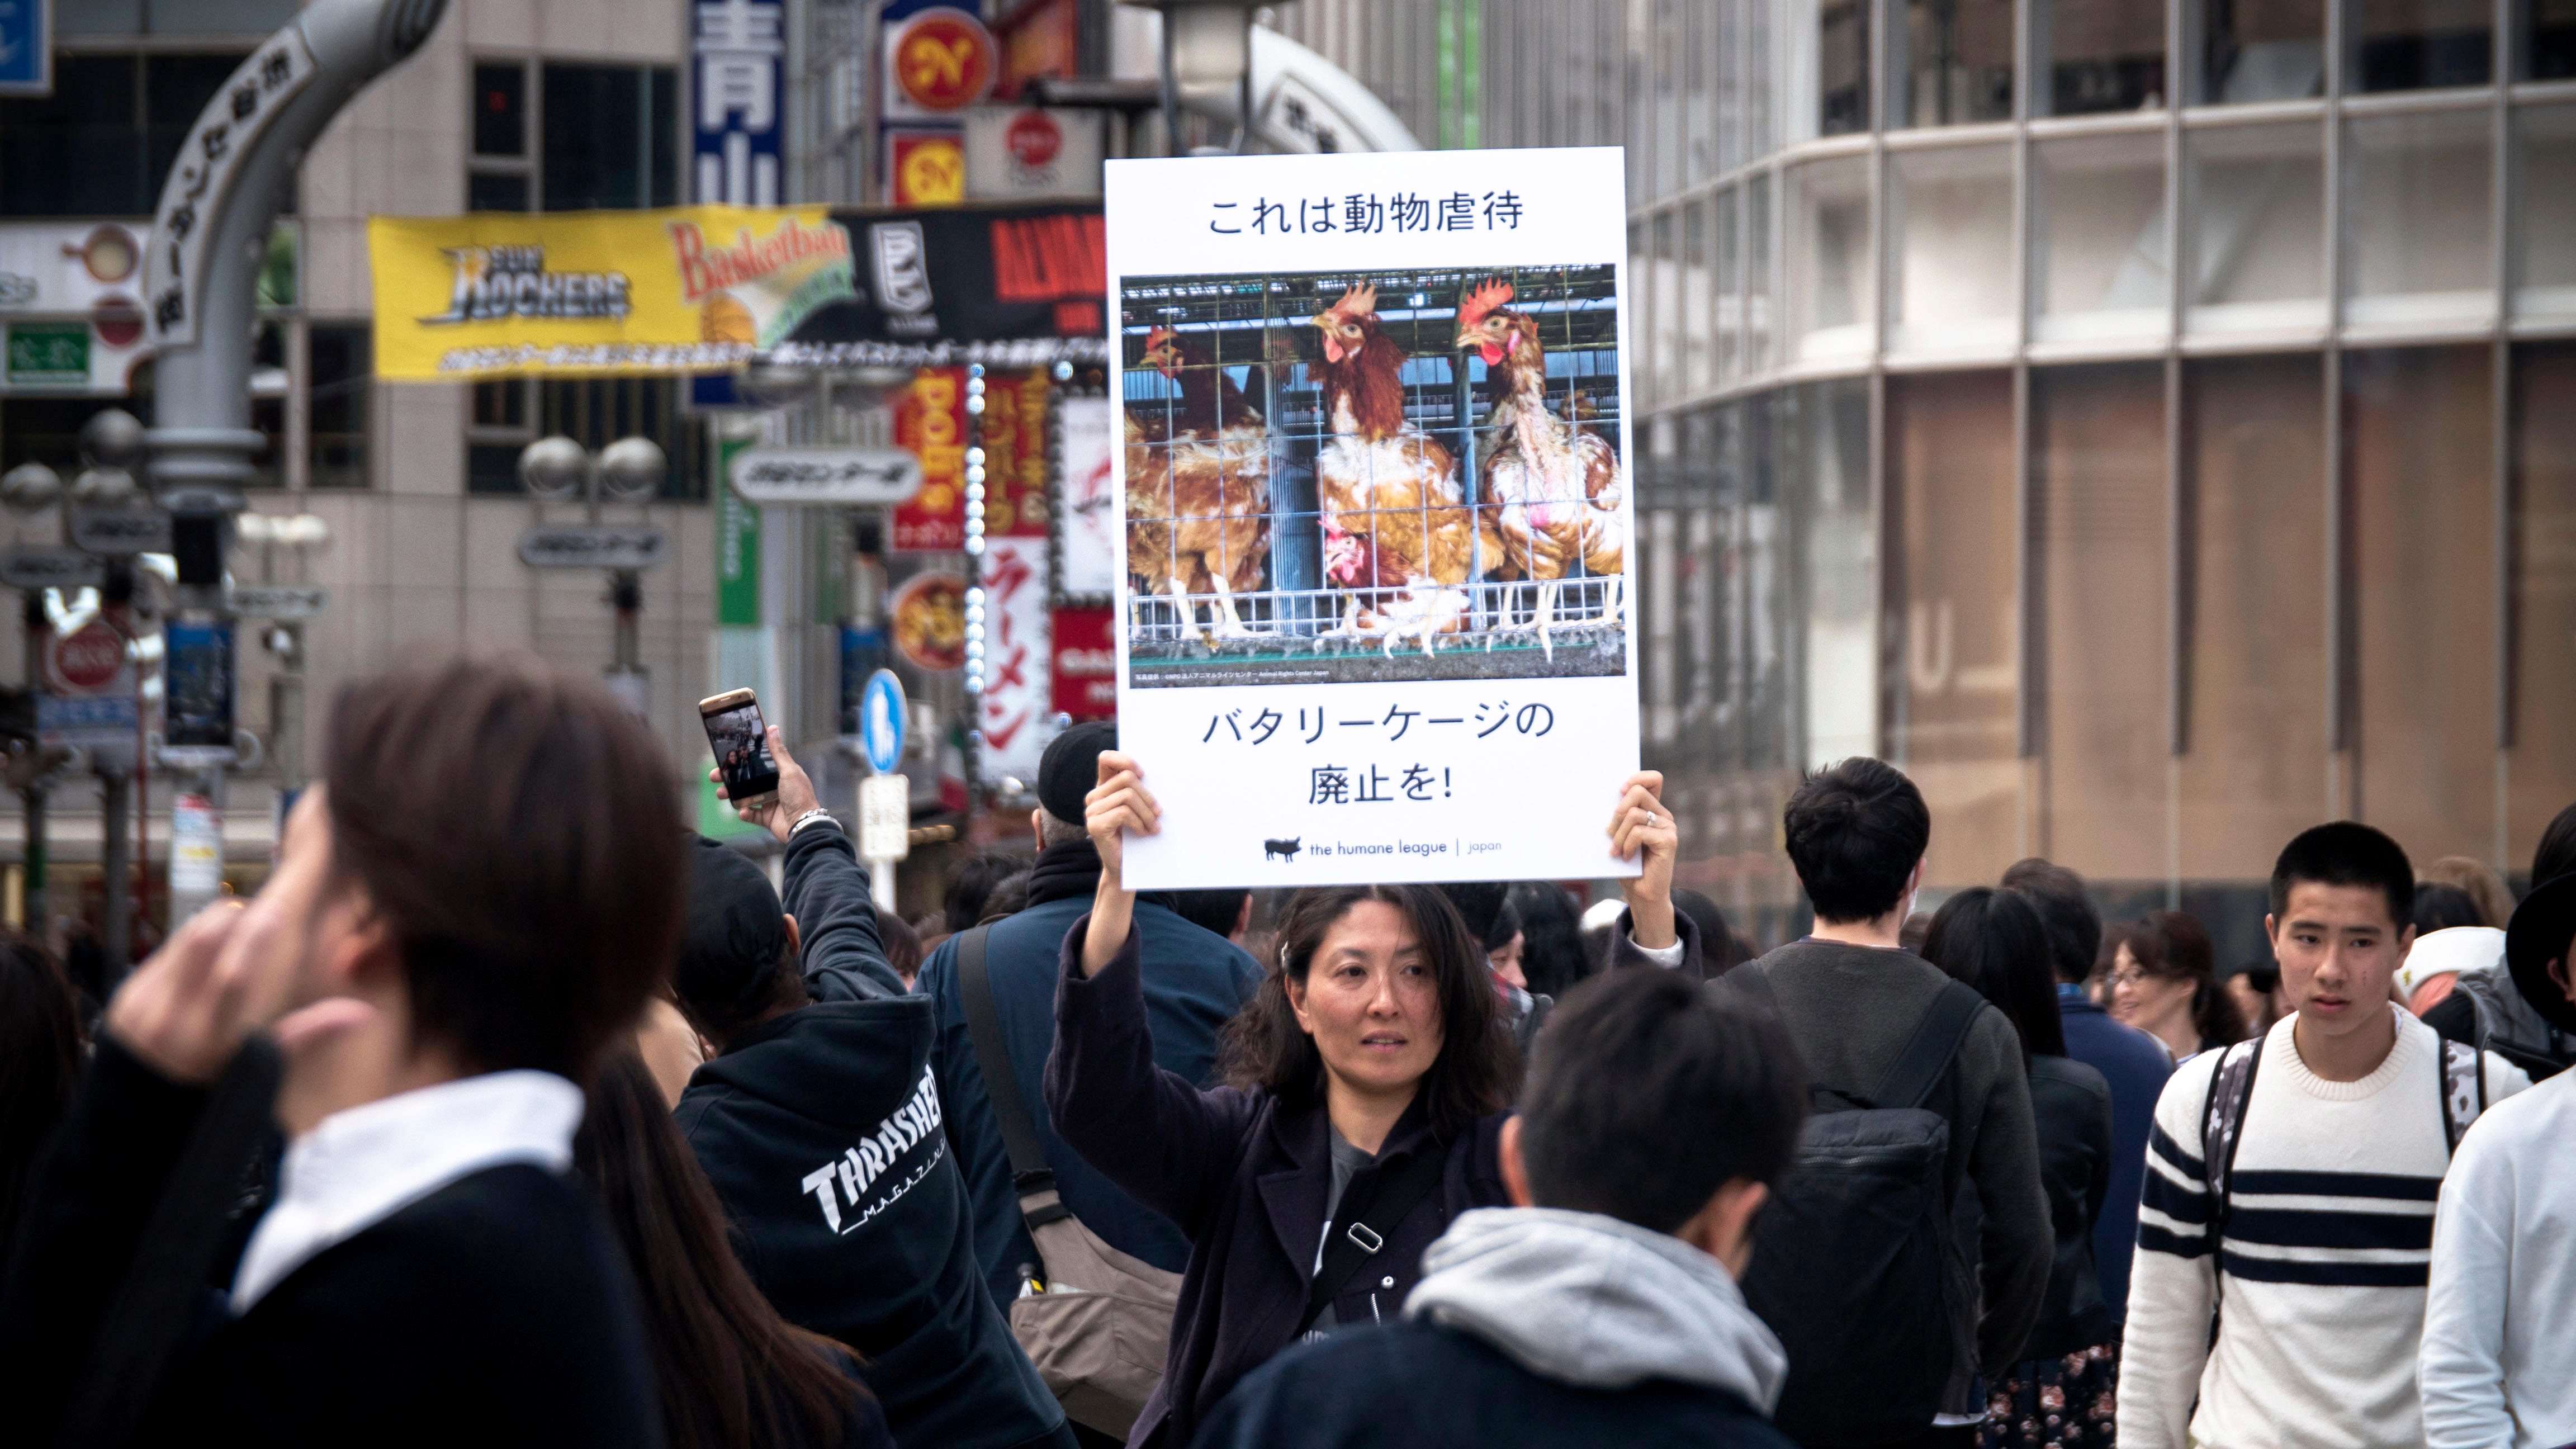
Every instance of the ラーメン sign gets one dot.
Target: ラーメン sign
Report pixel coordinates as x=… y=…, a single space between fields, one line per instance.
x=692 y=289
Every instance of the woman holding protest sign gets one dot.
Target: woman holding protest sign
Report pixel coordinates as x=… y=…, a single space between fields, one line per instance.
x=1366 y=1085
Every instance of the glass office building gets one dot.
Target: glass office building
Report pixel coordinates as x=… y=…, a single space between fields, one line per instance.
x=2151 y=425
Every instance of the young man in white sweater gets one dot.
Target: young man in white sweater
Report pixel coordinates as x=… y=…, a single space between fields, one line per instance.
x=2330 y=1141
x=2499 y=1356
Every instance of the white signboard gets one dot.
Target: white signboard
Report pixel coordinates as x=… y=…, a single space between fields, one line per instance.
x=1019 y=679
x=1431 y=675
x=89 y=700
x=45 y=566
x=593 y=546
x=201 y=177
x=826 y=475
x=1087 y=550
x=121 y=530
x=885 y=817
x=279 y=601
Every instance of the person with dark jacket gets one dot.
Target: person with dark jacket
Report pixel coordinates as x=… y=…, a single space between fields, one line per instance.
x=1603 y=1308
x=818 y=1121
x=732 y=1374
x=472 y=904
x=1194 y=981
x=2133 y=1063
x=1852 y=998
x=2060 y=1393
x=1373 y=1052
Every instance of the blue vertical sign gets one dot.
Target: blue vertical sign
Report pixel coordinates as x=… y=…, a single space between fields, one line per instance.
x=737 y=55
x=26 y=47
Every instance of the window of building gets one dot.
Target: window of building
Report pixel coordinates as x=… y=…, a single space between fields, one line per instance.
x=102 y=142
x=1958 y=61
x=1842 y=66
x=2103 y=55
x=595 y=136
x=2261 y=50
x=1952 y=605
x=1838 y=557
x=1730 y=286
x=2254 y=240
x=2540 y=767
x=2548 y=39
x=2098 y=269
x=505 y=416
x=2544 y=162
x=1757 y=273
x=1832 y=294
x=2406 y=45
x=1699 y=312
x=2418 y=193
x=339 y=385
x=1949 y=221
x=2253 y=771
x=2419 y=450
x=1672 y=306
x=2097 y=452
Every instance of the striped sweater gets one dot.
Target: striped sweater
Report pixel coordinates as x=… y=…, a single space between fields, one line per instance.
x=2328 y=1238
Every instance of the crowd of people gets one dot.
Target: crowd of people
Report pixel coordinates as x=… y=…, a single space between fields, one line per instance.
x=509 y=1112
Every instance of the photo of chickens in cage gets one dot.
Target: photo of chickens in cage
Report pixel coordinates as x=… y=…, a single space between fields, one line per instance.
x=1388 y=475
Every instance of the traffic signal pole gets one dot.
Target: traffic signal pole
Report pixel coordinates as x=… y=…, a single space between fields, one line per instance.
x=208 y=237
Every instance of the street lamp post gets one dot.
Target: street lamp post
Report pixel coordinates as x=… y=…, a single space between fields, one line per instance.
x=630 y=470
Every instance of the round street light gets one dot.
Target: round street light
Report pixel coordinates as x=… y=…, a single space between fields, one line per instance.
x=30 y=487
x=632 y=469
x=554 y=468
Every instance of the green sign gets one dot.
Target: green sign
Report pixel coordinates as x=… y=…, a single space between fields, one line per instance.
x=737 y=543
x=54 y=354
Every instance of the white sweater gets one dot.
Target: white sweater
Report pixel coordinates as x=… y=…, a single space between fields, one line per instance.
x=2499 y=1359
x=2329 y=1233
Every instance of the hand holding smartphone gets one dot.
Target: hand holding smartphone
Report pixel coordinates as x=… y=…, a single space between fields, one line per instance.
x=740 y=740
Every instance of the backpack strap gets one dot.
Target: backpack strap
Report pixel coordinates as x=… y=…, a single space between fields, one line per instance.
x=1351 y=1248
x=2222 y=1126
x=1030 y=1174
x=1926 y=1058
x=2464 y=1090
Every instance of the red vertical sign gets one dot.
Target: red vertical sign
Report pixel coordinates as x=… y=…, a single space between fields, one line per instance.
x=930 y=423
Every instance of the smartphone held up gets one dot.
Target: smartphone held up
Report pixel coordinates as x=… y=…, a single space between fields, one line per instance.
x=740 y=741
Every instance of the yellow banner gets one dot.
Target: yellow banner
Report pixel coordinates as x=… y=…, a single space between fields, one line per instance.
x=691 y=289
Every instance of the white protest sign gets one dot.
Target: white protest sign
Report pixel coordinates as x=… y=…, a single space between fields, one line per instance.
x=1428 y=671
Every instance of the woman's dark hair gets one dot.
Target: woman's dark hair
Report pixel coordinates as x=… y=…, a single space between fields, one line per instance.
x=2555 y=855
x=1552 y=957
x=1994 y=941
x=2440 y=907
x=1009 y=897
x=730 y=1371
x=902 y=945
x=516 y=829
x=972 y=883
x=2172 y=944
x=1478 y=1068
x=40 y=1058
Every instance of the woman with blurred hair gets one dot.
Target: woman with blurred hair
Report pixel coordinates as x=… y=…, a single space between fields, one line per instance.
x=731 y=1373
x=2162 y=983
x=2061 y=1392
x=1366 y=1087
x=40 y=1058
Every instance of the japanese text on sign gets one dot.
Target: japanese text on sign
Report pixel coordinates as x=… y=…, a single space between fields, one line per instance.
x=258 y=89
x=1368 y=213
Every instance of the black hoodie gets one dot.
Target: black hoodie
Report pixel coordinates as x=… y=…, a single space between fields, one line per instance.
x=821 y=1131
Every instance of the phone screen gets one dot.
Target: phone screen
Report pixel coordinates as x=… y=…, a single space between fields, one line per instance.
x=741 y=747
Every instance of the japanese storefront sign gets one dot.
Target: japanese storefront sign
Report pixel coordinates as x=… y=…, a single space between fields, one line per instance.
x=1025 y=151
x=1086 y=513
x=1018 y=679
x=738 y=48
x=1086 y=664
x=939 y=60
x=737 y=542
x=201 y=176
x=1015 y=454
x=1428 y=672
x=690 y=289
x=925 y=167
x=930 y=424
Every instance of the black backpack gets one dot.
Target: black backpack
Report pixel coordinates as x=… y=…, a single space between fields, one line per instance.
x=1856 y=1265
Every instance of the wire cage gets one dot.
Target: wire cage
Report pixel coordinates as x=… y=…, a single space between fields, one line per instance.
x=1323 y=483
